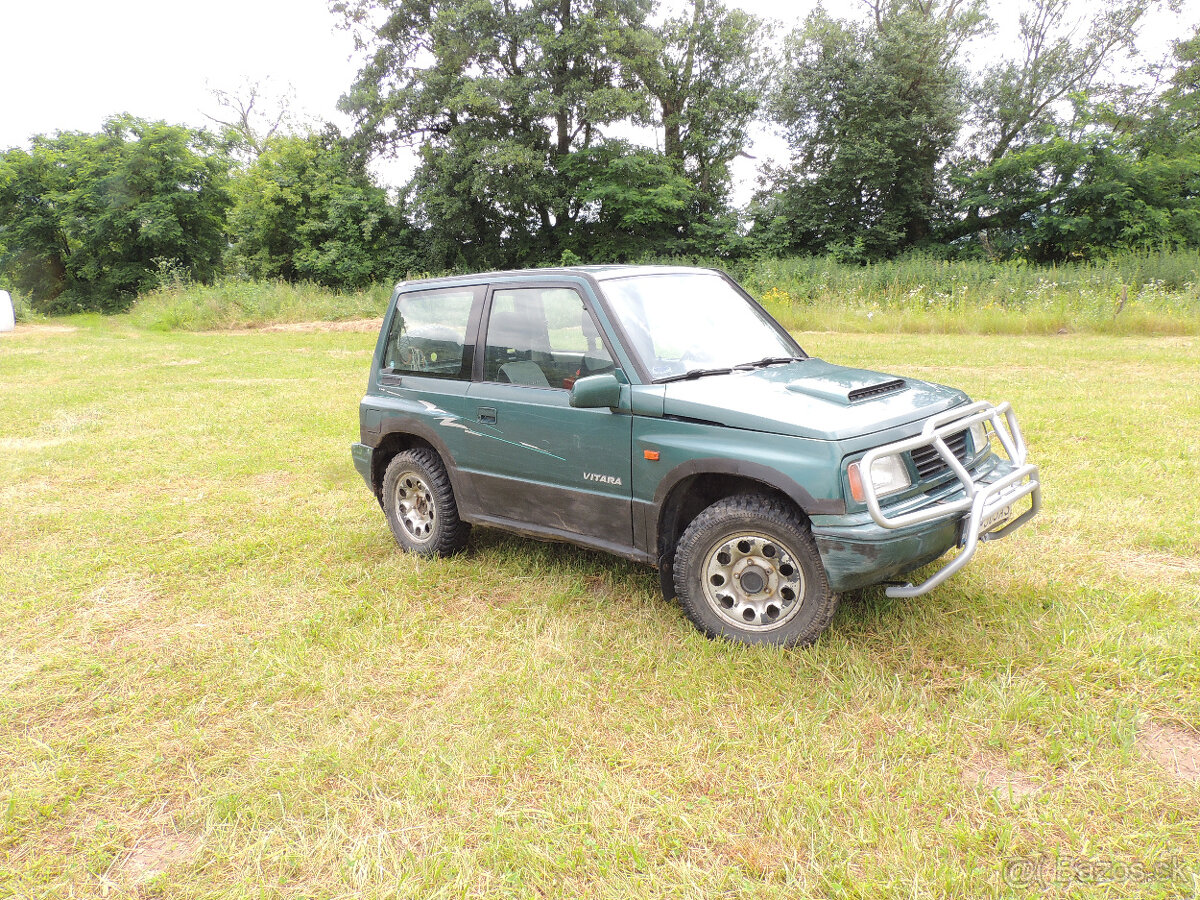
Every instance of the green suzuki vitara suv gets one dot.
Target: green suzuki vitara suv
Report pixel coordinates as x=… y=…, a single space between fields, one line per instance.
x=660 y=414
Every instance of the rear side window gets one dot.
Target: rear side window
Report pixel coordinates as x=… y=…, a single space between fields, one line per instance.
x=429 y=333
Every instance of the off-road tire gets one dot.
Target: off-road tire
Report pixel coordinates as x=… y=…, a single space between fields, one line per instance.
x=736 y=565
x=419 y=504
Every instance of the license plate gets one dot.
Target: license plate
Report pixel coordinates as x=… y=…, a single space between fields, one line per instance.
x=1000 y=515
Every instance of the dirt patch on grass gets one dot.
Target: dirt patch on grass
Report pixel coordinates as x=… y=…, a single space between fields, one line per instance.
x=154 y=854
x=762 y=857
x=990 y=774
x=1174 y=749
x=38 y=329
x=356 y=325
x=22 y=490
x=270 y=481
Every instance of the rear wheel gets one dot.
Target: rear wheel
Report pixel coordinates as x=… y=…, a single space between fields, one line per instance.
x=747 y=569
x=419 y=503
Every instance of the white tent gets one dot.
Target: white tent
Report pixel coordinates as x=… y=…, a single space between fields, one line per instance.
x=7 y=318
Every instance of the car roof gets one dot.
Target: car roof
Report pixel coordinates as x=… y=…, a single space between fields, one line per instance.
x=596 y=273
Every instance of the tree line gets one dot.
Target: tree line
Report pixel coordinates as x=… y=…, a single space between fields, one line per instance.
x=605 y=131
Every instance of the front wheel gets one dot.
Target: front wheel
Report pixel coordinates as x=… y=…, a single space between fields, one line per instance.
x=747 y=569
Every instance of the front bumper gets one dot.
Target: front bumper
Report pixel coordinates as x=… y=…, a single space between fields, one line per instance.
x=862 y=555
x=979 y=509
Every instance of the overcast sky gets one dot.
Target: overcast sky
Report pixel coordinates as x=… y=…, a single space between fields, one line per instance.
x=68 y=64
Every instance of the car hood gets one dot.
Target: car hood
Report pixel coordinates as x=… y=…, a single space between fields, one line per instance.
x=809 y=398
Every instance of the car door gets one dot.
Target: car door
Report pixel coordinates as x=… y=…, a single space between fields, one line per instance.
x=541 y=464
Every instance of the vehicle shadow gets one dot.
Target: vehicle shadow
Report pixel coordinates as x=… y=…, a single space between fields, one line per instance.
x=865 y=616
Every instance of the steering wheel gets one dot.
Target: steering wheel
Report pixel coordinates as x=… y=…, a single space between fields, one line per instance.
x=411 y=357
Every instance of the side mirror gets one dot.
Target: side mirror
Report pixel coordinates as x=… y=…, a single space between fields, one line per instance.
x=595 y=391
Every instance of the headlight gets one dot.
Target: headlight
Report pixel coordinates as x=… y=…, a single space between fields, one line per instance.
x=888 y=475
x=979 y=437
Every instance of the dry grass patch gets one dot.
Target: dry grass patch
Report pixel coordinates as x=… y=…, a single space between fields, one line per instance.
x=989 y=773
x=1153 y=565
x=22 y=445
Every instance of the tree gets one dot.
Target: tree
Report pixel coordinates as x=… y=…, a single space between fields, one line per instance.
x=1035 y=110
x=250 y=117
x=1019 y=102
x=33 y=245
x=870 y=110
x=1123 y=176
x=706 y=74
x=307 y=209
x=1170 y=122
x=633 y=201
x=508 y=100
x=498 y=93
x=85 y=219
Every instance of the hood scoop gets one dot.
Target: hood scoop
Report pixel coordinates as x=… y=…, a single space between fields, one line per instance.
x=876 y=390
x=839 y=392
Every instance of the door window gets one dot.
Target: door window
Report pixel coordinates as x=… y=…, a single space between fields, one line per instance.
x=542 y=337
x=429 y=333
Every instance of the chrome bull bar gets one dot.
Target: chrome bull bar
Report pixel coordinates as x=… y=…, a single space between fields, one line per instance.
x=983 y=502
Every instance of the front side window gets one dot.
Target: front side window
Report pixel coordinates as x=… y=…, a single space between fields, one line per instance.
x=428 y=334
x=682 y=322
x=542 y=337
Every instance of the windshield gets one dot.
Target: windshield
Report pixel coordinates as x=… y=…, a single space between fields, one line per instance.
x=693 y=321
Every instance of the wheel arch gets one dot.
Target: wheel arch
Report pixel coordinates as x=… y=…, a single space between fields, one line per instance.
x=410 y=435
x=692 y=487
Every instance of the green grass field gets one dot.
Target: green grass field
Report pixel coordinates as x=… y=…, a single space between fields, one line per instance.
x=219 y=677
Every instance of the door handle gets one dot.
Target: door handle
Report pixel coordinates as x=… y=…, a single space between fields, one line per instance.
x=487 y=415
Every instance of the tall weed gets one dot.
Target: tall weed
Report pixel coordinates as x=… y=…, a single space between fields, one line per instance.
x=1156 y=293
x=242 y=304
x=1132 y=293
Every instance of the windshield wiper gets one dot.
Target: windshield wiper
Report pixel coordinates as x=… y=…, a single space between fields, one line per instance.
x=768 y=361
x=692 y=373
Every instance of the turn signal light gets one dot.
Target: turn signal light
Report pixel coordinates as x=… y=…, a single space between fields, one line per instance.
x=856 y=485
x=651 y=455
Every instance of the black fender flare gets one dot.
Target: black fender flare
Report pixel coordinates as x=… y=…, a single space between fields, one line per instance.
x=741 y=468
x=415 y=427
x=810 y=505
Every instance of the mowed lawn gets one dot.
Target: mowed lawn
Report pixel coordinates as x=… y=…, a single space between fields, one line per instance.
x=220 y=678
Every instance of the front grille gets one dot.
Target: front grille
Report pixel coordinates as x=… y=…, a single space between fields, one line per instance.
x=929 y=462
x=875 y=390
